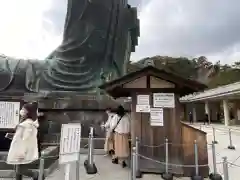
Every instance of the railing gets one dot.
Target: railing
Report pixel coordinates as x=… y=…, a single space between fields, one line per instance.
x=166 y=163
x=168 y=173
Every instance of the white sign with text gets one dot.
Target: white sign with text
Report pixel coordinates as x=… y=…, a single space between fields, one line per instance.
x=164 y=100
x=9 y=114
x=143 y=108
x=143 y=99
x=70 y=143
x=156 y=117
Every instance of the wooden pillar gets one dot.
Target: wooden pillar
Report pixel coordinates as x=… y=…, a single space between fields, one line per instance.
x=133 y=120
x=175 y=130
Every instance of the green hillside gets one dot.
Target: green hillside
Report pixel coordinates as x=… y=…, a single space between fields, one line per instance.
x=199 y=69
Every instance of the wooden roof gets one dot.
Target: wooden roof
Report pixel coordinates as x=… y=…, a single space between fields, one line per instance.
x=115 y=87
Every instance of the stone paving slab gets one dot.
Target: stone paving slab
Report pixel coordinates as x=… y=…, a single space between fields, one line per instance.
x=233 y=156
x=106 y=171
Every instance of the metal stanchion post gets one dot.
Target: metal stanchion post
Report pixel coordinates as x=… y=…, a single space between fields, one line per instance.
x=89 y=163
x=134 y=159
x=18 y=175
x=214 y=136
x=166 y=175
x=90 y=160
x=41 y=167
x=78 y=167
x=230 y=140
x=67 y=171
x=166 y=154
x=214 y=175
x=225 y=169
x=138 y=172
x=196 y=158
x=214 y=158
x=196 y=176
x=88 y=155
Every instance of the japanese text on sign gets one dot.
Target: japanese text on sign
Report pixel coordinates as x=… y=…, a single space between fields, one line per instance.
x=143 y=99
x=164 y=100
x=143 y=108
x=156 y=117
x=70 y=142
x=9 y=114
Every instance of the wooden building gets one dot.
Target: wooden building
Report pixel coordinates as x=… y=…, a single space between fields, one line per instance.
x=181 y=136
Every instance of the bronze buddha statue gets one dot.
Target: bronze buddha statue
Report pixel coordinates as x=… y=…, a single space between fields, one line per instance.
x=97 y=41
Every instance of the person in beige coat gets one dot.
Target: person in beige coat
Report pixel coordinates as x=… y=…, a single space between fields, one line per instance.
x=121 y=129
x=108 y=145
x=24 y=146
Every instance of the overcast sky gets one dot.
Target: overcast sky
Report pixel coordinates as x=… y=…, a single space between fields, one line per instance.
x=33 y=28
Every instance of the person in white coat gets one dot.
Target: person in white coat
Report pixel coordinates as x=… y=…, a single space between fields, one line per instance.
x=121 y=130
x=108 y=145
x=24 y=146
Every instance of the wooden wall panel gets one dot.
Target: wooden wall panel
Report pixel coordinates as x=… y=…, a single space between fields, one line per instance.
x=160 y=83
x=138 y=83
x=177 y=134
x=189 y=135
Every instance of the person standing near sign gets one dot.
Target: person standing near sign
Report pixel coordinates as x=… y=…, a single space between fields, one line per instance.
x=108 y=145
x=121 y=129
x=191 y=118
x=24 y=146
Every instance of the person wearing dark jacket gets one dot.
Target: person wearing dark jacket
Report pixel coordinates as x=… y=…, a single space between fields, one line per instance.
x=191 y=118
x=205 y=120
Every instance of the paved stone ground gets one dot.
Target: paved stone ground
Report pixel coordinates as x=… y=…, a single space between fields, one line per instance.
x=222 y=136
x=108 y=171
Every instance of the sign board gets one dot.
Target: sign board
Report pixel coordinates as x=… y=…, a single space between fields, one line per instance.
x=143 y=99
x=163 y=100
x=156 y=117
x=143 y=108
x=9 y=114
x=70 y=143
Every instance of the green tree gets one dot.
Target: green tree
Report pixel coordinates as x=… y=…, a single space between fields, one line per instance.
x=236 y=65
x=224 y=77
x=212 y=74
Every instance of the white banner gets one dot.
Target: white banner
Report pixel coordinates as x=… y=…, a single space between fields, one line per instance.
x=164 y=100
x=143 y=108
x=156 y=117
x=70 y=143
x=9 y=114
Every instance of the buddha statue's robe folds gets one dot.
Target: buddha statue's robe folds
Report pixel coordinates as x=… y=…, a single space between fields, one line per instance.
x=98 y=38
